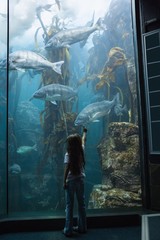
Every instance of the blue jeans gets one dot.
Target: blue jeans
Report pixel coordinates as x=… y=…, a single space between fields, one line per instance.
x=75 y=186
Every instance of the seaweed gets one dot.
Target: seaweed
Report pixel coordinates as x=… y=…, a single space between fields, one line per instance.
x=56 y=123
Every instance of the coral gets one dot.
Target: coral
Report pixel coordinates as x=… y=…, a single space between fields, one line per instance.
x=102 y=197
x=119 y=153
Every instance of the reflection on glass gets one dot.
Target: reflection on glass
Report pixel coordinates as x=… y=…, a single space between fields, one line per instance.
x=3 y=107
x=72 y=66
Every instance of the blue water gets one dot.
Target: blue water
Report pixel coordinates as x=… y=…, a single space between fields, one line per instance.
x=37 y=123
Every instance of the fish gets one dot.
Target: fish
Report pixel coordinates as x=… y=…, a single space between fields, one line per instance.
x=22 y=150
x=15 y=169
x=4 y=15
x=55 y=92
x=119 y=110
x=88 y=24
x=21 y=60
x=58 y=4
x=41 y=8
x=95 y=111
x=91 y=22
x=67 y=37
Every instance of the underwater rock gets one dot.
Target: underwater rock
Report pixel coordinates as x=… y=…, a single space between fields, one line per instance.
x=37 y=194
x=119 y=153
x=102 y=197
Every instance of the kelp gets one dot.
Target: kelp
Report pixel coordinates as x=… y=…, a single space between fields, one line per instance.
x=116 y=58
x=56 y=122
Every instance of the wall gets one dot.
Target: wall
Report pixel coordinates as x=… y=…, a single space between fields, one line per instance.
x=148 y=23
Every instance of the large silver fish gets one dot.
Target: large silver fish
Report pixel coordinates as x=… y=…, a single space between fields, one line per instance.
x=20 y=60
x=95 y=110
x=26 y=149
x=55 y=92
x=67 y=37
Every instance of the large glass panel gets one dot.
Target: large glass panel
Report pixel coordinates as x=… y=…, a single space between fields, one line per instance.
x=3 y=108
x=71 y=65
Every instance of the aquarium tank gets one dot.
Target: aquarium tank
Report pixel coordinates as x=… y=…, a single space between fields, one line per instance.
x=65 y=65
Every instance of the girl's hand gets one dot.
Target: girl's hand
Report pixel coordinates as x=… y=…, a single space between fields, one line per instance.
x=84 y=129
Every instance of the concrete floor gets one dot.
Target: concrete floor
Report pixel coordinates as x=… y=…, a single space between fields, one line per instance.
x=124 y=233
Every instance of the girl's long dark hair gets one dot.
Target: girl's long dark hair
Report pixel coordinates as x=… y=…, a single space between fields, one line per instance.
x=76 y=154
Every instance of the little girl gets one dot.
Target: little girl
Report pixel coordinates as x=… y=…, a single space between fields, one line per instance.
x=74 y=182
